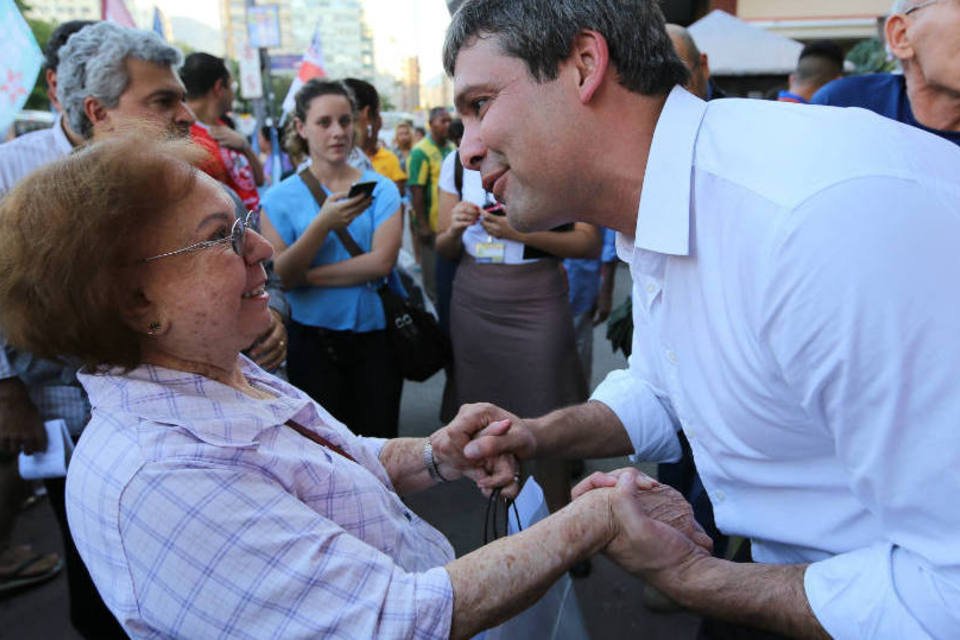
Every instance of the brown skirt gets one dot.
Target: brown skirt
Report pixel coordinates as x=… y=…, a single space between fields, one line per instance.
x=513 y=340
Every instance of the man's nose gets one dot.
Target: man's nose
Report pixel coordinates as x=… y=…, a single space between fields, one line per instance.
x=472 y=149
x=185 y=115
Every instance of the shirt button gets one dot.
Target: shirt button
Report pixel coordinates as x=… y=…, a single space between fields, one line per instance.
x=651 y=288
x=690 y=433
x=671 y=356
x=719 y=495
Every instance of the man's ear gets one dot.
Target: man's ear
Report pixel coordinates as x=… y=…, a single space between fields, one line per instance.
x=96 y=113
x=898 y=40
x=591 y=57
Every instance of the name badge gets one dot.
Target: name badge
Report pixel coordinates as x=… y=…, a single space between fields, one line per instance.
x=490 y=252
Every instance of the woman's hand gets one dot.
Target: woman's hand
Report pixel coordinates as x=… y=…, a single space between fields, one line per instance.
x=498 y=227
x=339 y=211
x=462 y=216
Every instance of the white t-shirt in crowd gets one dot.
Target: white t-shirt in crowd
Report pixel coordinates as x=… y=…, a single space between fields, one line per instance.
x=475 y=234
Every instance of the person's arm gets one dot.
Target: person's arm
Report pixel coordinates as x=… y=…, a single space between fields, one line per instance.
x=418 y=167
x=234 y=140
x=21 y=428
x=371 y=265
x=293 y=262
x=583 y=241
x=418 y=204
x=590 y=430
x=655 y=540
x=608 y=281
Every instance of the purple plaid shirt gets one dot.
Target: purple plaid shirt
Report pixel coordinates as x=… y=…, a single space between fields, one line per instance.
x=201 y=515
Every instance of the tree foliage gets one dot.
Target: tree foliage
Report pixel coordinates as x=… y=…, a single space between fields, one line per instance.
x=870 y=56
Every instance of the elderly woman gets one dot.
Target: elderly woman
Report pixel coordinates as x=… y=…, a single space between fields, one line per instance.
x=207 y=497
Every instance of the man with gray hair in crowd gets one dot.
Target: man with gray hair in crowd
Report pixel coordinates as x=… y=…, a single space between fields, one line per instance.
x=109 y=79
x=796 y=316
x=924 y=37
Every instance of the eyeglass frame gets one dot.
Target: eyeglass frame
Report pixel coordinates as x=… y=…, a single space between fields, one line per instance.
x=922 y=5
x=237 y=240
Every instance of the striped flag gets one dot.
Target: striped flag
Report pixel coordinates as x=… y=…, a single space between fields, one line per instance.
x=20 y=59
x=116 y=11
x=312 y=66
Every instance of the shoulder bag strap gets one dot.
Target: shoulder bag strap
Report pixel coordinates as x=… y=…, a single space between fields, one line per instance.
x=318 y=194
x=319 y=439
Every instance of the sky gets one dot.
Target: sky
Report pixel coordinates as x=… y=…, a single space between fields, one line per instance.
x=401 y=28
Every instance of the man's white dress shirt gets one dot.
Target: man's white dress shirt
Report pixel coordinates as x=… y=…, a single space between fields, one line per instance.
x=31 y=151
x=797 y=312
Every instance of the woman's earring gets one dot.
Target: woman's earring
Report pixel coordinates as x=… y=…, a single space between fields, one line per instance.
x=369 y=130
x=154 y=328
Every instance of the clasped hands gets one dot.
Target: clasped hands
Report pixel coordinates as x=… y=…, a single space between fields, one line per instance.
x=650 y=528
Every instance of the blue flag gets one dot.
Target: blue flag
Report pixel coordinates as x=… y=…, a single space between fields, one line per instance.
x=20 y=60
x=158 y=23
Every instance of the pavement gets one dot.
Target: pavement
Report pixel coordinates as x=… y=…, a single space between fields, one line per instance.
x=610 y=599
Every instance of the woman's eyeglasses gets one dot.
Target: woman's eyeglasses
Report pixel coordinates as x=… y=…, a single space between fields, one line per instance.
x=238 y=234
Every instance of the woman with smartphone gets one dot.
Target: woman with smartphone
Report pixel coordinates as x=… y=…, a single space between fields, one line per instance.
x=338 y=350
x=510 y=320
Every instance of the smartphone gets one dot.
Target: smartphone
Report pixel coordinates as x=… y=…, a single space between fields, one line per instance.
x=366 y=188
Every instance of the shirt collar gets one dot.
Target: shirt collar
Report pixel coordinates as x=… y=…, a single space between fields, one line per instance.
x=211 y=411
x=64 y=146
x=663 y=219
x=787 y=96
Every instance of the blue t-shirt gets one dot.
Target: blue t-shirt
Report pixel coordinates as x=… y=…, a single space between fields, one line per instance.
x=882 y=93
x=290 y=207
x=583 y=275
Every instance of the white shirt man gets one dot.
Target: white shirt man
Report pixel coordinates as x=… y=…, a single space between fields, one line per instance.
x=794 y=313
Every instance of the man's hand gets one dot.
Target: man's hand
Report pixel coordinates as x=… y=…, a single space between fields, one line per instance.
x=270 y=349
x=656 y=529
x=601 y=310
x=472 y=421
x=500 y=471
x=227 y=137
x=21 y=428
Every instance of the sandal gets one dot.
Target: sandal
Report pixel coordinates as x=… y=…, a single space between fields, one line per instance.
x=35 y=569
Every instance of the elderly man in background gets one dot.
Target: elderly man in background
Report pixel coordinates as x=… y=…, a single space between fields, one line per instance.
x=793 y=317
x=924 y=37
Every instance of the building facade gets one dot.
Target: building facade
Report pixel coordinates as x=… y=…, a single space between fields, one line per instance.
x=347 y=41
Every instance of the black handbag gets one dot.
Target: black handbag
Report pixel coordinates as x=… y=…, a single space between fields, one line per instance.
x=419 y=345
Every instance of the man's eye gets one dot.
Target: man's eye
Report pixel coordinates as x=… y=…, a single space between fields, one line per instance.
x=478 y=105
x=220 y=234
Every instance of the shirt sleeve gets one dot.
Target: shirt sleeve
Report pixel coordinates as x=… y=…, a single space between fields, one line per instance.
x=448 y=180
x=861 y=316
x=418 y=168
x=391 y=166
x=220 y=552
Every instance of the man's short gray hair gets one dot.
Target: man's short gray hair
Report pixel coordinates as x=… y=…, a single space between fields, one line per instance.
x=541 y=33
x=92 y=63
x=900 y=6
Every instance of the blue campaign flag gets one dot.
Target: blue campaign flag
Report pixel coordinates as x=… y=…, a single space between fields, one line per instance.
x=20 y=60
x=158 y=23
